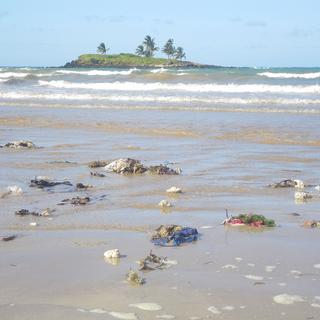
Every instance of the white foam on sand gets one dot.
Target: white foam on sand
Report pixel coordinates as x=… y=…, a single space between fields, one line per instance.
x=123 y=315
x=253 y=277
x=287 y=299
x=147 y=306
x=214 y=310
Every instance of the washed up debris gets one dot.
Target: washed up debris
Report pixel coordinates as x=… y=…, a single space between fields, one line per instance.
x=83 y=186
x=252 y=220
x=288 y=183
x=287 y=299
x=153 y=262
x=124 y=315
x=132 y=166
x=21 y=144
x=133 y=277
x=302 y=196
x=174 y=190
x=173 y=235
x=165 y=204
x=146 y=306
x=317 y=187
x=97 y=174
x=33 y=224
x=312 y=224
x=76 y=201
x=112 y=254
x=24 y=212
x=98 y=310
x=162 y=169
x=14 y=190
x=98 y=163
x=8 y=238
x=45 y=182
x=126 y=166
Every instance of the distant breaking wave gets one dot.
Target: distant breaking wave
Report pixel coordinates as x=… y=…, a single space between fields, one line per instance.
x=312 y=75
x=157 y=86
x=169 y=99
x=99 y=72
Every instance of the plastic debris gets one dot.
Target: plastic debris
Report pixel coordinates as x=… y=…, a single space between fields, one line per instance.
x=174 y=190
x=83 y=186
x=302 y=196
x=252 y=220
x=133 y=277
x=98 y=163
x=126 y=166
x=311 y=224
x=317 y=187
x=112 y=254
x=165 y=204
x=132 y=166
x=173 y=235
x=24 y=212
x=44 y=182
x=76 y=201
x=97 y=174
x=153 y=262
x=14 y=190
x=20 y=144
x=299 y=184
x=161 y=170
x=284 y=184
x=33 y=224
x=8 y=238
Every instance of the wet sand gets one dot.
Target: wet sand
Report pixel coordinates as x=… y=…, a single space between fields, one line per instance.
x=57 y=267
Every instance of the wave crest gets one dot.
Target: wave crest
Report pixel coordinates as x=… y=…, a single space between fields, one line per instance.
x=312 y=75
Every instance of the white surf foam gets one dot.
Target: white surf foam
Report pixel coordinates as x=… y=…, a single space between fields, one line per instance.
x=99 y=72
x=15 y=95
x=156 y=86
x=5 y=75
x=311 y=75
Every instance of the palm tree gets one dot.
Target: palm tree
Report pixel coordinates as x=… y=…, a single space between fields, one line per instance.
x=140 y=50
x=102 y=48
x=169 y=48
x=150 y=46
x=179 y=53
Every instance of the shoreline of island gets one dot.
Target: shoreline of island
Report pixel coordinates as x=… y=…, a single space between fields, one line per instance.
x=128 y=60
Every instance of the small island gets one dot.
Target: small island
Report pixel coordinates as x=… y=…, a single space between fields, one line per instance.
x=143 y=58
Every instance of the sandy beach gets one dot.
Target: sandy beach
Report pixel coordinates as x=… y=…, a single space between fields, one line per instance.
x=57 y=268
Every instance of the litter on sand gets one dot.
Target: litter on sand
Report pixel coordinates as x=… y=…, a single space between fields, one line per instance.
x=174 y=190
x=21 y=144
x=252 y=220
x=8 y=238
x=77 y=201
x=98 y=163
x=173 y=235
x=287 y=299
x=97 y=174
x=312 y=224
x=132 y=166
x=153 y=262
x=24 y=212
x=302 y=196
x=44 y=182
x=112 y=254
x=14 y=190
x=134 y=278
x=288 y=183
x=165 y=204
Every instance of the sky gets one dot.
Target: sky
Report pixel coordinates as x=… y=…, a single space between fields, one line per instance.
x=254 y=33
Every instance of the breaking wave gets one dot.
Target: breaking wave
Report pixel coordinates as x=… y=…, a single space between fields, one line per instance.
x=312 y=75
x=100 y=72
x=209 y=87
x=14 y=95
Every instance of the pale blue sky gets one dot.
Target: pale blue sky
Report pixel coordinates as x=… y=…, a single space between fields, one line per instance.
x=224 y=32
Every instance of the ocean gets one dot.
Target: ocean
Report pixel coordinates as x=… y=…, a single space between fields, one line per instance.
x=288 y=90
x=232 y=132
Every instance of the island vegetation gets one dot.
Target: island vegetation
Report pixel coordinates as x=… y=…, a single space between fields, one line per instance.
x=144 y=57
